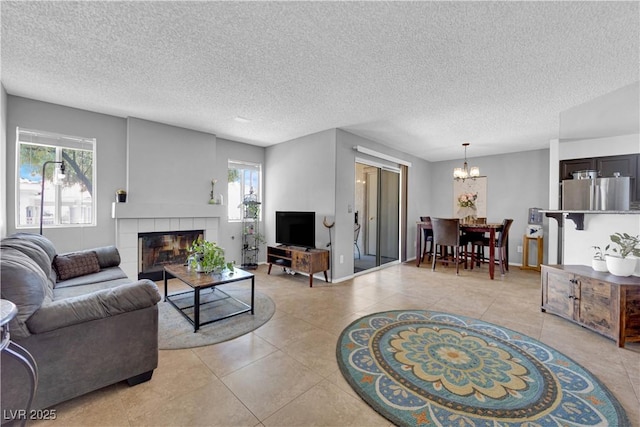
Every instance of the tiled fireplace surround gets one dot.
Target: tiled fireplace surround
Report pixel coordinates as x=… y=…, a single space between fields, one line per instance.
x=131 y=220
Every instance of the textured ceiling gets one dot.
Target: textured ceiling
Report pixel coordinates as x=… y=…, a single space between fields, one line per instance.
x=422 y=77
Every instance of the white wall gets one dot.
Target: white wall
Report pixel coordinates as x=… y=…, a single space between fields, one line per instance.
x=598 y=227
x=608 y=125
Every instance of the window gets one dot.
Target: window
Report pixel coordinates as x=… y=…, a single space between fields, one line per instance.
x=69 y=198
x=244 y=179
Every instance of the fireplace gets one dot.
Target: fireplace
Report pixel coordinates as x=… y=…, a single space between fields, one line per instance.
x=157 y=249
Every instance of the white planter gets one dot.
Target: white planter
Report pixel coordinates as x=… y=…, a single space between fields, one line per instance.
x=637 y=270
x=621 y=266
x=599 y=265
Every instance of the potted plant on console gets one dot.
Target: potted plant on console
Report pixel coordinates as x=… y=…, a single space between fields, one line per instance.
x=623 y=263
x=207 y=257
x=599 y=263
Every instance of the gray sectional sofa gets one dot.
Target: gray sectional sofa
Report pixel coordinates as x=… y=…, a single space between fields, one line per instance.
x=83 y=320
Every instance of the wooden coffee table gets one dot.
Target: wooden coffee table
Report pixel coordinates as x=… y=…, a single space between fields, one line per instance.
x=200 y=307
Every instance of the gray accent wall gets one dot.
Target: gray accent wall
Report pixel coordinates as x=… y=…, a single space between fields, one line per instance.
x=300 y=175
x=230 y=233
x=110 y=134
x=312 y=173
x=169 y=163
x=515 y=183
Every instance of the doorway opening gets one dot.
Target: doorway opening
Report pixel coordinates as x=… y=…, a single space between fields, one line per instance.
x=377 y=216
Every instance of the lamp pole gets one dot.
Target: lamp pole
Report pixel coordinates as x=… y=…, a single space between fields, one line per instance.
x=61 y=163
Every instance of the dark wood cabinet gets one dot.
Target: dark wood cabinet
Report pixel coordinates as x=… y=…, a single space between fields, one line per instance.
x=625 y=165
x=602 y=302
x=567 y=167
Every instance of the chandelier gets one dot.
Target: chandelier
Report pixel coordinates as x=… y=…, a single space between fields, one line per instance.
x=464 y=172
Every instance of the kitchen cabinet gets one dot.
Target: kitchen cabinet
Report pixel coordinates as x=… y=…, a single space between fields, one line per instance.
x=601 y=302
x=568 y=167
x=625 y=165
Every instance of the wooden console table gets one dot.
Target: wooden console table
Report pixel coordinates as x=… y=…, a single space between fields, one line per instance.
x=602 y=302
x=308 y=261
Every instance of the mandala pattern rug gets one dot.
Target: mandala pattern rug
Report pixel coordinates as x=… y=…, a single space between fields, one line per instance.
x=437 y=369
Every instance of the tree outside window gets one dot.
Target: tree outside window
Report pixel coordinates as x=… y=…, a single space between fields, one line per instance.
x=68 y=200
x=244 y=179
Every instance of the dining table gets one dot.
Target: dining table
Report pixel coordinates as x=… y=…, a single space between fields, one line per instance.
x=490 y=228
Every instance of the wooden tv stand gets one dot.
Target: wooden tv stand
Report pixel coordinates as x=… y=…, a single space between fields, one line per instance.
x=296 y=258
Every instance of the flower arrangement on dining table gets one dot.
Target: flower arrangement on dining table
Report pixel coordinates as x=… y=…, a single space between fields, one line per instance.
x=467 y=205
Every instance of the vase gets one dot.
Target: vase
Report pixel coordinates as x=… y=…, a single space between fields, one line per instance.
x=467 y=214
x=599 y=265
x=623 y=267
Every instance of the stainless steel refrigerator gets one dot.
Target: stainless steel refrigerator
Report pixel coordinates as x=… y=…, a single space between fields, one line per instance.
x=596 y=194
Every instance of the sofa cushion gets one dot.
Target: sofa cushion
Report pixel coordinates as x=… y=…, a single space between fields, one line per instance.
x=24 y=284
x=104 y=275
x=108 y=256
x=76 y=264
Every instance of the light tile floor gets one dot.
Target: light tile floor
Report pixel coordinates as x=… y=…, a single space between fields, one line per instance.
x=285 y=373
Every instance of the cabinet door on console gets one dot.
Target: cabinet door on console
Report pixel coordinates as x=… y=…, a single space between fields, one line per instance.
x=301 y=261
x=559 y=294
x=597 y=306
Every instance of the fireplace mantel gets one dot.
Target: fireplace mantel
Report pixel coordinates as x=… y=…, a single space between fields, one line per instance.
x=165 y=210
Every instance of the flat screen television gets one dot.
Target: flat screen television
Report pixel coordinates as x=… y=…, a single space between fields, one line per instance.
x=296 y=228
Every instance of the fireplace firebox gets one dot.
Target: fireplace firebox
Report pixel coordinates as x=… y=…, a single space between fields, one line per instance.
x=157 y=249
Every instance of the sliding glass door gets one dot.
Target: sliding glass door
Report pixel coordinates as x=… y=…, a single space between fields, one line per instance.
x=376 y=237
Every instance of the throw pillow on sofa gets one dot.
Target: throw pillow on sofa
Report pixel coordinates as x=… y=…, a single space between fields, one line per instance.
x=76 y=264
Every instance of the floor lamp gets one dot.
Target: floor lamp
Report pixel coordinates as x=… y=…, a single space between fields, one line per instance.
x=61 y=175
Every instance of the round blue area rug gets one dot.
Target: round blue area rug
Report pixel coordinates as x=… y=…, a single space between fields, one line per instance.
x=429 y=368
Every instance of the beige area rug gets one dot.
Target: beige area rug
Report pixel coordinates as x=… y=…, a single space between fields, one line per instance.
x=175 y=332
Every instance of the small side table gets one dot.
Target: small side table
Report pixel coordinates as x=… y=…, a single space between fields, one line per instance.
x=525 y=252
x=8 y=311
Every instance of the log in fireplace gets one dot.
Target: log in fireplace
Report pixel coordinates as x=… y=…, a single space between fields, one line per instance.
x=157 y=249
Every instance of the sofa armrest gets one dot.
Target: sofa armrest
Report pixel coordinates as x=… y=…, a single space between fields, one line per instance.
x=97 y=305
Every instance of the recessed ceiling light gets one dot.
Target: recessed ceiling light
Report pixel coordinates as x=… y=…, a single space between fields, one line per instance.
x=242 y=119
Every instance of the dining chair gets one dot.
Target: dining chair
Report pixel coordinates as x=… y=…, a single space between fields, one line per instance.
x=356 y=234
x=500 y=245
x=477 y=239
x=428 y=237
x=446 y=234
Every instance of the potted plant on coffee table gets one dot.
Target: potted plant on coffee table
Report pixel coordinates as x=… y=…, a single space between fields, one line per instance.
x=623 y=262
x=599 y=263
x=207 y=257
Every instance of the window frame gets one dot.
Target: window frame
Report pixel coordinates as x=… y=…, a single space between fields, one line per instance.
x=58 y=142
x=244 y=165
